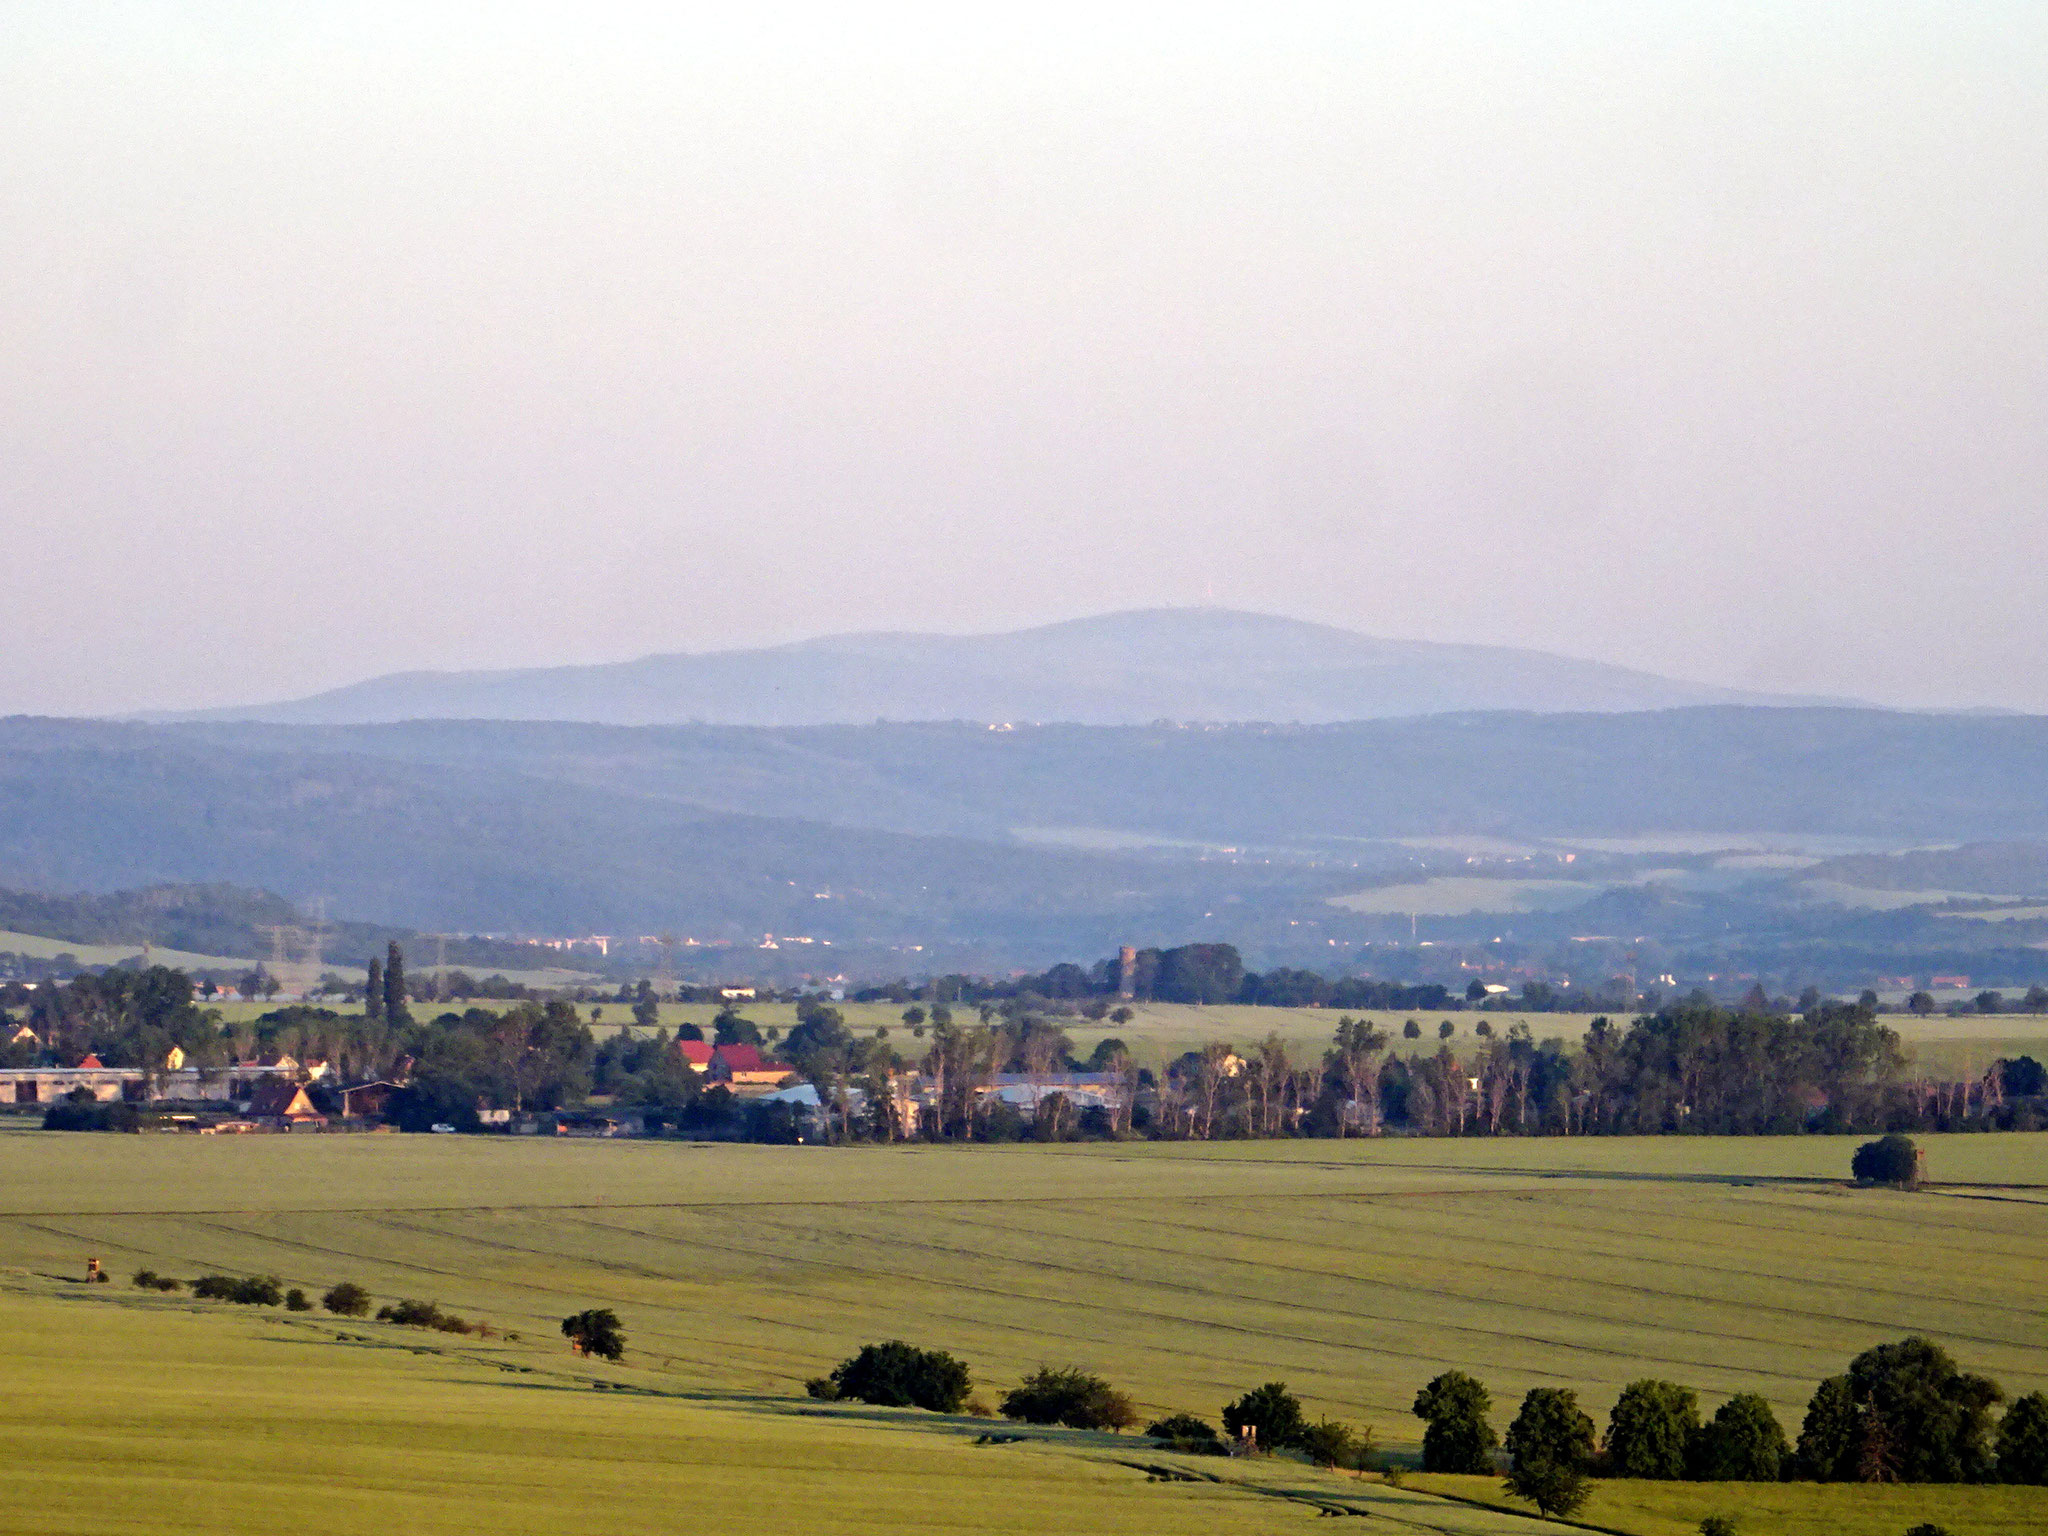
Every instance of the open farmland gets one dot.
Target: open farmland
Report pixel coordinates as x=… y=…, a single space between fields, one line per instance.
x=1353 y=1270
x=123 y=1414
x=1185 y=1272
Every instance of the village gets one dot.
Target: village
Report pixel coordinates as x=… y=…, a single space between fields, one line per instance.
x=276 y=1092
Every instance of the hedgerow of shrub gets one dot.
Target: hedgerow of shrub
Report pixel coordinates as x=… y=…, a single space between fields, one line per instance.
x=425 y=1314
x=259 y=1291
x=1186 y=1433
x=1069 y=1397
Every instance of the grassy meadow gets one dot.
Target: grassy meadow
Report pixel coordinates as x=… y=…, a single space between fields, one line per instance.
x=1185 y=1272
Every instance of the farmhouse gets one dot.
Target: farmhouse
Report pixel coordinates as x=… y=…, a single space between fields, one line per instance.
x=1025 y=1091
x=741 y=1066
x=284 y=1104
x=366 y=1101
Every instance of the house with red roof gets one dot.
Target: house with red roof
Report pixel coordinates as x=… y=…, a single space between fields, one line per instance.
x=742 y=1066
x=696 y=1052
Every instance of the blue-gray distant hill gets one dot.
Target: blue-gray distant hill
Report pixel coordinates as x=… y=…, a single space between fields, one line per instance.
x=1202 y=664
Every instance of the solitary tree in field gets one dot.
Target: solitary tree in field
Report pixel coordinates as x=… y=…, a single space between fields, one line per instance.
x=1332 y=1443
x=1069 y=1397
x=1893 y=1160
x=894 y=1374
x=596 y=1332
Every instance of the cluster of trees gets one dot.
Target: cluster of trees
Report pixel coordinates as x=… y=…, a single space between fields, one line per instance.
x=125 y=1017
x=1903 y=1412
x=527 y=1056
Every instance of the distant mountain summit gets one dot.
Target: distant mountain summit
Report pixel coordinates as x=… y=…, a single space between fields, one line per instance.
x=1193 y=664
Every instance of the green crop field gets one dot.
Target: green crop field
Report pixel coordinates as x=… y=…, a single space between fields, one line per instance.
x=1185 y=1272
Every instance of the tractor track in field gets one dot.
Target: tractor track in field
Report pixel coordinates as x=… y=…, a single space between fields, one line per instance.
x=2030 y=1316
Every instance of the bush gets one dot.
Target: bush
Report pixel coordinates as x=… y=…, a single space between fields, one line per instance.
x=150 y=1280
x=596 y=1332
x=823 y=1388
x=295 y=1301
x=1651 y=1430
x=1929 y=1528
x=1458 y=1439
x=2023 y=1441
x=1185 y=1432
x=1742 y=1443
x=1271 y=1413
x=421 y=1314
x=1717 y=1525
x=347 y=1300
x=262 y=1291
x=1892 y=1160
x=1329 y=1443
x=894 y=1374
x=90 y=1115
x=1069 y=1397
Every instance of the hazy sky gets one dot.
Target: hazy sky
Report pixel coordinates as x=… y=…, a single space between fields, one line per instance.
x=341 y=339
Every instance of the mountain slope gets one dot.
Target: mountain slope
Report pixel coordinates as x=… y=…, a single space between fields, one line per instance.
x=1116 y=669
x=97 y=807
x=1875 y=774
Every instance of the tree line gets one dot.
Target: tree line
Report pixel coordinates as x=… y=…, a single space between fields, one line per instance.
x=1902 y=1412
x=1694 y=1067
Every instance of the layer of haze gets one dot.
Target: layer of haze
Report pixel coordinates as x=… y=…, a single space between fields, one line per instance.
x=336 y=340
